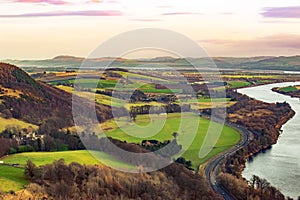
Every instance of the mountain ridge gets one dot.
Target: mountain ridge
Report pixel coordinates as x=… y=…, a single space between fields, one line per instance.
x=284 y=63
x=38 y=103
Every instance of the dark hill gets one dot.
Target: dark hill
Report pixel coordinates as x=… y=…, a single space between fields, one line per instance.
x=22 y=97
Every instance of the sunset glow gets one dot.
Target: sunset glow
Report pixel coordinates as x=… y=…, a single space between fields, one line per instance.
x=33 y=29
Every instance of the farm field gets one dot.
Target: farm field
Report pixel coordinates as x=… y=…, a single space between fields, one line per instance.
x=250 y=76
x=80 y=156
x=11 y=178
x=238 y=84
x=15 y=122
x=99 y=98
x=107 y=100
x=289 y=89
x=161 y=128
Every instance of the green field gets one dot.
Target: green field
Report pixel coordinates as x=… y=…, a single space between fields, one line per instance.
x=81 y=157
x=238 y=84
x=107 y=100
x=158 y=128
x=15 y=122
x=206 y=100
x=11 y=178
x=250 y=76
x=288 y=89
x=137 y=81
x=139 y=76
x=99 y=98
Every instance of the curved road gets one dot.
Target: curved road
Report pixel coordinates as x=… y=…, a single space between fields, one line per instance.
x=212 y=168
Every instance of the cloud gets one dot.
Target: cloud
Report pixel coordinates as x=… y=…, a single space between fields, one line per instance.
x=180 y=13
x=280 y=44
x=112 y=1
x=227 y=13
x=53 y=2
x=278 y=22
x=279 y=40
x=283 y=40
x=66 y=13
x=96 y=1
x=281 y=12
x=146 y=20
x=164 y=6
x=103 y=1
x=216 y=41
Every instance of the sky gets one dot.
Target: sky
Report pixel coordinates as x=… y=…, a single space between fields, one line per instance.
x=41 y=29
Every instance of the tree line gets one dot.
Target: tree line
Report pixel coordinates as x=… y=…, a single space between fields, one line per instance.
x=74 y=181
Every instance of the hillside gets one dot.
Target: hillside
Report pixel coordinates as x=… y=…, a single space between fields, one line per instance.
x=23 y=98
x=291 y=63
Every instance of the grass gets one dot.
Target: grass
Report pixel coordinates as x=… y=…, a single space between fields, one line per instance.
x=80 y=156
x=288 y=89
x=139 y=76
x=166 y=91
x=12 y=178
x=250 y=76
x=204 y=103
x=205 y=100
x=99 y=98
x=67 y=80
x=161 y=128
x=15 y=122
x=107 y=100
x=107 y=83
x=238 y=84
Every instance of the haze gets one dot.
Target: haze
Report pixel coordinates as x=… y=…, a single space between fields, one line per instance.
x=37 y=29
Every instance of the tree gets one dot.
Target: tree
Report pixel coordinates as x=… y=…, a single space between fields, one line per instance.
x=175 y=134
x=30 y=169
x=6 y=114
x=133 y=113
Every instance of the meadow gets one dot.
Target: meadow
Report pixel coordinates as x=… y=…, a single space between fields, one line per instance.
x=80 y=156
x=288 y=89
x=115 y=102
x=161 y=128
x=4 y=123
x=238 y=84
x=11 y=178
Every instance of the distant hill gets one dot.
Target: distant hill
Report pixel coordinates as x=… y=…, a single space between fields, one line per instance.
x=22 y=97
x=283 y=63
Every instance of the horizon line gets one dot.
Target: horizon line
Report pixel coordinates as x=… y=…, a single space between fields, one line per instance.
x=140 y=58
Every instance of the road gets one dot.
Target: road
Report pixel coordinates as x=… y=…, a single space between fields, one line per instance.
x=212 y=168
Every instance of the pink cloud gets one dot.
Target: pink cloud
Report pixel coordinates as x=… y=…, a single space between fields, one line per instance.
x=282 y=12
x=103 y=1
x=112 y=1
x=227 y=13
x=275 y=41
x=146 y=20
x=66 y=13
x=215 y=41
x=164 y=6
x=180 y=13
x=279 y=22
x=53 y=2
x=279 y=44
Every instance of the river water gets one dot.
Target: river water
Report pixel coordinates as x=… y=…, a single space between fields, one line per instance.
x=280 y=165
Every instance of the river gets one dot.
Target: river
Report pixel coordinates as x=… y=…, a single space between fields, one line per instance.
x=280 y=165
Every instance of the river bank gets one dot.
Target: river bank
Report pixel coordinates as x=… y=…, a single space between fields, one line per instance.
x=261 y=122
x=279 y=165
